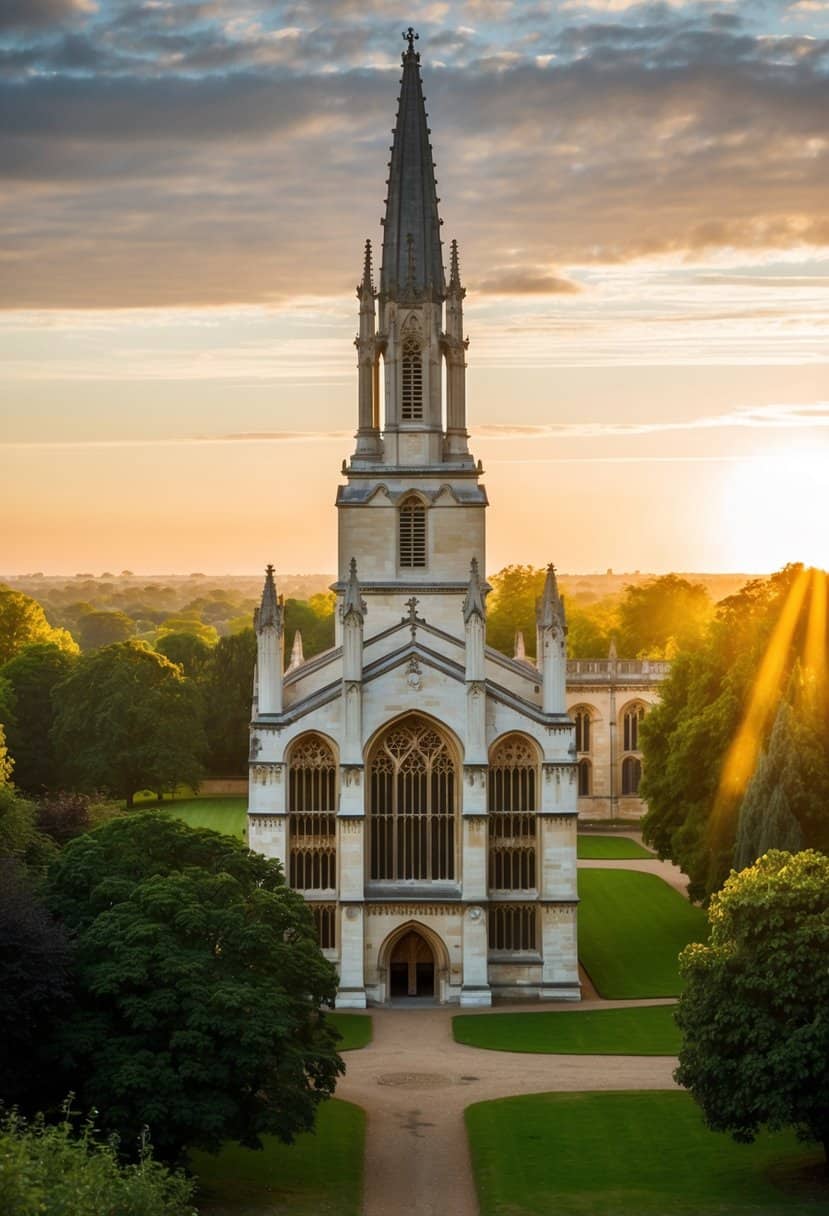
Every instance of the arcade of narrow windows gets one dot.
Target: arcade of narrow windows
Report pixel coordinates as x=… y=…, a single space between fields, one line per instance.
x=513 y=841
x=631 y=765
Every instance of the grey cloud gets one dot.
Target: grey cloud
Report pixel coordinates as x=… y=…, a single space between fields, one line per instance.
x=513 y=281
x=38 y=14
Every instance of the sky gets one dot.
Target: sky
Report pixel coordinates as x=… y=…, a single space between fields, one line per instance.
x=639 y=192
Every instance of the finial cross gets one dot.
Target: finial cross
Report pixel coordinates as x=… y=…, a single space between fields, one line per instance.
x=410 y=37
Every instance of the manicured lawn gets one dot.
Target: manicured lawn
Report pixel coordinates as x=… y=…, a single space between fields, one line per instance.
x=319 y=1175
x=635 y=1032
x=630 y=1154
x=354 y=1027
x=220 y=814
x=631 y=929
x=601 y=848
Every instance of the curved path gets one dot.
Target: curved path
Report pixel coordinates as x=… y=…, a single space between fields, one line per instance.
x=665 y=870
x=414 y=1081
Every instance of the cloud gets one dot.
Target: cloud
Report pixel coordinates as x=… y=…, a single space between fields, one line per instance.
x=36 y=14
x=517 y=281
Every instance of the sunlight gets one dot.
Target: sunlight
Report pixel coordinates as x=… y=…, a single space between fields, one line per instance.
x=777 y=507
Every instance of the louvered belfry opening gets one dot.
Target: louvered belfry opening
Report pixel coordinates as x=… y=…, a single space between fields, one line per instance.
x=513 y=784
x=413 y=534
x=411 y=397
x=312 y=806
x=412 y=790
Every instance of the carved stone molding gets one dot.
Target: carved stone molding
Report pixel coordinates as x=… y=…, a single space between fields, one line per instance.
x=414 y=909
x=351 y=774
x=414 y=675
x=476 y=822
x=476 y=688
x=267 y=773
x=350 y=825
x=352 y=687
x=552 y=771
x=559 y=911
x=266 y=822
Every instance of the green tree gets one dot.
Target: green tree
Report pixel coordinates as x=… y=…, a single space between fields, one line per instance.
x=191 y=652
x=126 y=719
x=54 y=1171
x=755 y=1010
x=32 y=676
x=687 y=736
x=189 y=622
x=34 y=985
x=102 y=628
x=6 y=762
x=228 y=694
x=23 y=622
x=315 y=620
x=511 y=606
x=20 y=840
x=661 y=616
x=199 y=982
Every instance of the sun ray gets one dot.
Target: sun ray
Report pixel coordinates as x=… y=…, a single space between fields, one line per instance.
x=814 y=657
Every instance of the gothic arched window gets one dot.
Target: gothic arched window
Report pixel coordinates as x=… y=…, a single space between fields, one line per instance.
x=631 y=774
x=630 y=727
x=412 y=538
x=584 y=778
x=512 y=794
x=411 y=395
x=312 y=810
x=412 y=780
x=581 y=717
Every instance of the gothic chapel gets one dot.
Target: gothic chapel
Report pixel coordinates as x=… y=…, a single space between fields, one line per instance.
x=419 y=787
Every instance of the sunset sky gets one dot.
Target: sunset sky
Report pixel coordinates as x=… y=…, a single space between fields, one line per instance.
x=641 y=197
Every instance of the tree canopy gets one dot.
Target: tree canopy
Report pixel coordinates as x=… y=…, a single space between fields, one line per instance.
x=663 y=616
x=755 y=1009
x=228 y=694
x=23 y=622
x=102 y=628
x=126 y=720
x=199 y=981
x=703 y=740
x=32 y=676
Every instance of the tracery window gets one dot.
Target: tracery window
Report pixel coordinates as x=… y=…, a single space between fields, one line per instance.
x=630 y=727
x=325 y=922
x=584 y=778
x=631 y=774
x=512 y=792
x=513 y=927
x=412 y=796
x=312 y=821
x=582 y=720
x=412 y=534
x=411 y=398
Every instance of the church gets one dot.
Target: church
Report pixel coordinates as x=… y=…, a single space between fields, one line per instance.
x=420 y=788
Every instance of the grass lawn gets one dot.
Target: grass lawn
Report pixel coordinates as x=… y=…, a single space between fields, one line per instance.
x=635 y=1032
x=631 y=1154
x=354 y=1027
x=600 y=848
x=221 y=814
x=631 y=929
x=321 y=1174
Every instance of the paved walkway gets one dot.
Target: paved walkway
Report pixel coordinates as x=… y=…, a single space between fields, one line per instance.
x=414 y=1081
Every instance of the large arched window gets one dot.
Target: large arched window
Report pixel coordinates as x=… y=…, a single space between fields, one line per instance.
x=412 y=780
x=631 y=774
x=581 y=717
x=512 y=795
x=630 y=727
x=411 y=395
x=312 y=810
x=412 y=538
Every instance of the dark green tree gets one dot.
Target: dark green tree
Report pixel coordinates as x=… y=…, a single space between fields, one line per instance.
x=314 y=618
x=755 y=1009
x=228 y=694
x=32 y=675
x=126 y=719
x=662 y=616
x=191 y=653
x=23 y=622
x=198 y=986
x=34 y=985
x=20 y=840
x=102 y=628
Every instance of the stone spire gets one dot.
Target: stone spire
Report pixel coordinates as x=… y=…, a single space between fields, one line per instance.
x=519 y=649
x=551 y=647
x=550 y=608
x=270 y=610
x=297 y=654
x=412 y=223
x=473 y=605
x=270 y=642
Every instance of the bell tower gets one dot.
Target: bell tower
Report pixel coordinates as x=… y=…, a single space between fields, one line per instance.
x=412 y=511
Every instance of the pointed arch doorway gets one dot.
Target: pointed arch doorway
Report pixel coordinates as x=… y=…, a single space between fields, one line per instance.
x=412 y=967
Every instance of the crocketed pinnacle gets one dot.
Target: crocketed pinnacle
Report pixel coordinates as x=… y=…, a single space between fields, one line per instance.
x=367 y=283
x=353 y=602
x=550 y=608
x=454 y=268
x=473 y=604
x=412 y=202
x=270 y=611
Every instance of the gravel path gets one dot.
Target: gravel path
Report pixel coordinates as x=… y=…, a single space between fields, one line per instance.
x=414 y=1081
